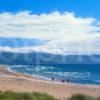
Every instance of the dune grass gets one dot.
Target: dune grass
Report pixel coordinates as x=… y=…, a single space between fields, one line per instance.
x=8 y=95
x=24 y=96
x=82 y=97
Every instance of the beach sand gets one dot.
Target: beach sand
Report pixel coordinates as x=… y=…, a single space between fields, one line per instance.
x=24 y=83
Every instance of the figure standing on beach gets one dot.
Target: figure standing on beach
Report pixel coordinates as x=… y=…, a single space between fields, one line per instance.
x=62 y=81
x=52 y=79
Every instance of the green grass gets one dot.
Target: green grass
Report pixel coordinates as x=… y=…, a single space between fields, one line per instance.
x=24 y=96
x=82 y=97
x=39 y=96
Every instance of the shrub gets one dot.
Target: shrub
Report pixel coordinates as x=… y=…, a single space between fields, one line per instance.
x=82 y=97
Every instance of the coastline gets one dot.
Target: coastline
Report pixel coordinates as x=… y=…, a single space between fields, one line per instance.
x=25 y=83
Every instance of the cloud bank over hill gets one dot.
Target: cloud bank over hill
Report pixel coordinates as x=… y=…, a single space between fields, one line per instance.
x=67 y=34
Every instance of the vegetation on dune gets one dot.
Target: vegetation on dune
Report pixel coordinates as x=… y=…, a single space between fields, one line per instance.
x=24 y=96
x=39 y=96
x=82 y=97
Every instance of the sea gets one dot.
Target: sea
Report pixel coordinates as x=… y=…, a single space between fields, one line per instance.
x=74 y=73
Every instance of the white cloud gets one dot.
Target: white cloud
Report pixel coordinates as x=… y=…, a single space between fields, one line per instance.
x=66 y=32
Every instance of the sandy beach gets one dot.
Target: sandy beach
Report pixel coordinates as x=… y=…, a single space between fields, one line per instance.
x=25 y=83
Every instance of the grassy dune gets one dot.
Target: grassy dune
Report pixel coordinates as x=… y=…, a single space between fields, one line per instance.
x=39 y=96
x=82 y=97
x=24 y=96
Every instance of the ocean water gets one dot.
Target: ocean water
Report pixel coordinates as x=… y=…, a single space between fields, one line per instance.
x=75 y=73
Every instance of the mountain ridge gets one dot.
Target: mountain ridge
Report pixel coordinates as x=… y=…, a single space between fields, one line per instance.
x=36 y=58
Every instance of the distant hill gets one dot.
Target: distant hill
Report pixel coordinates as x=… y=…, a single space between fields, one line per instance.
x=46 y=59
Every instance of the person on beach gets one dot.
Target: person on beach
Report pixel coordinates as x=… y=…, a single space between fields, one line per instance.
x=62 y=81
x=52 y=79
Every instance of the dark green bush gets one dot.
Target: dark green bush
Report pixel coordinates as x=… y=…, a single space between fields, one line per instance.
x=98 y=98
x=82 y=97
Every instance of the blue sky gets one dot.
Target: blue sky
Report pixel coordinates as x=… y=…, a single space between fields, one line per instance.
x=71 y=26
x=83 y=8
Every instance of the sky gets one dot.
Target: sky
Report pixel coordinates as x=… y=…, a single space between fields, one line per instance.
x=70 y=26
x=83 y=8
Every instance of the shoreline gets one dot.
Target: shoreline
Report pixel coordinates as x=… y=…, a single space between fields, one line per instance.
x=25 y=83
x=48 y=79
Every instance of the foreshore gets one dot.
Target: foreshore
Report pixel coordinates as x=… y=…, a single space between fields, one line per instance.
x=10 y=81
